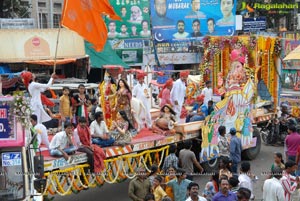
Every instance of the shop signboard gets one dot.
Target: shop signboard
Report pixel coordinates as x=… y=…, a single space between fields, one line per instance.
x=26 y=23
x=129 y=50
x=172 y=58
x=254 y=24
x=181 y=20
x=135 y=21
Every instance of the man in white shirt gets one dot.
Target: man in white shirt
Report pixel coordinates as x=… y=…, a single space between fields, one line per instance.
x=245 y=178
x=99 y=131
x=180 y=34
x=61 y=144
x=141 y=91
x=272 y=189
x=178 y=93
x=207 y=92
x=193 y=189
x=41 y=130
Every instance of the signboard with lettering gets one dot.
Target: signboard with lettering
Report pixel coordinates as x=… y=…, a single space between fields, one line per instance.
x=11 y=159
x=179 y=20
x=5 y=129
x=254 y=24
x=172 y=58
x=135 y=21
x=26 y=23
x=11 y=131
x=129 y=50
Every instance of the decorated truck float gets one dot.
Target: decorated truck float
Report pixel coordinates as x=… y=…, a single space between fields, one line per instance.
x=247 y=82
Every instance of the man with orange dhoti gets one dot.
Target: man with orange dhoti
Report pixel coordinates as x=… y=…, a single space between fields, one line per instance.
x=107 y=91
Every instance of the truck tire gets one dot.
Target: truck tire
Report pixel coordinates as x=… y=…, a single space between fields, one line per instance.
x=211 y=166
x=250 y=154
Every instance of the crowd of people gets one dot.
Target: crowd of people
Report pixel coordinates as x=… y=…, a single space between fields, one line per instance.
x=174 y=181
x=89 y=124
x=109 y=119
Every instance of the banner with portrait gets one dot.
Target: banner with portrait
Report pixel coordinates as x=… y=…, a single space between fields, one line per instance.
x=135 y=21
x=174 y=20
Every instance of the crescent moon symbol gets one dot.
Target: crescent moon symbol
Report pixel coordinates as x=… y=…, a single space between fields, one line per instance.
x=158 y=37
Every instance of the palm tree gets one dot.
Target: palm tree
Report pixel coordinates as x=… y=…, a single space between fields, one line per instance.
x=13 y=9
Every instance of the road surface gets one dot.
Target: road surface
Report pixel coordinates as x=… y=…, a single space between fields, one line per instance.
x=118 y=192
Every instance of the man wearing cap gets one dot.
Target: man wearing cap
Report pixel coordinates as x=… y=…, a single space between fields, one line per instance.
x=141 y=92
x=35 y=89
x=178 y=93
x=235 y=150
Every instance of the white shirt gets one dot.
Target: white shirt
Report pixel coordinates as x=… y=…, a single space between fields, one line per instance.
x=178 y=92
x=142 y=92
x=35 y=90
x=199 y=198
x=273 y=190
x=246 y=182
x=98 y=130
x=42 y=136
x=60 y=140
x=207 y=92
x=181 y=35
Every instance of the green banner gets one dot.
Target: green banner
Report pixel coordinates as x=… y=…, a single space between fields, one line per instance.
x=135 y=21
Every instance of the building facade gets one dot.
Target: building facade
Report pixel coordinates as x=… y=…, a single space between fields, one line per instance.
x=47 y=13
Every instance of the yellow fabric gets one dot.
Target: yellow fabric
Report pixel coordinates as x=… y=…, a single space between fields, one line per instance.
x=159 y=193
x=169 y=189
x=65 y=106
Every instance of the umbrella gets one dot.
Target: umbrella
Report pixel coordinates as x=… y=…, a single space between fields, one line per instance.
x=293 y=55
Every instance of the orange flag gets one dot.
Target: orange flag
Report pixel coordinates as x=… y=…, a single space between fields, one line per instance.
x=85 y=18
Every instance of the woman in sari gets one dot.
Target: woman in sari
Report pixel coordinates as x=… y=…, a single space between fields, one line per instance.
x=82 y=137
x=121 y=129
x=123 y=100
x=107 y=91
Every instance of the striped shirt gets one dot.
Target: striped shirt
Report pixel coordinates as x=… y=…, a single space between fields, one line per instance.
x=289 y=185
x=170 y=161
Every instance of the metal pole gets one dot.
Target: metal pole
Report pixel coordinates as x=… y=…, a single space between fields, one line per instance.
x=51 y=13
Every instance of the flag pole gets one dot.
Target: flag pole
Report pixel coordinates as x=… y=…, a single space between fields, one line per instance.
x=56 y=47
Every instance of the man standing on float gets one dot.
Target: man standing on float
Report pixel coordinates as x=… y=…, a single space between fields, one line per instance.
x=142 y=92
x=178 y=93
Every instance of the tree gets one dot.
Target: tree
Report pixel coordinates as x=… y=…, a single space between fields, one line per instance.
x=13 y=9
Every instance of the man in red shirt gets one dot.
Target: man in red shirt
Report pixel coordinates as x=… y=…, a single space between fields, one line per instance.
x=292 y=142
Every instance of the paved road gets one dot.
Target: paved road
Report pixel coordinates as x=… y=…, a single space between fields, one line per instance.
x=118 y=192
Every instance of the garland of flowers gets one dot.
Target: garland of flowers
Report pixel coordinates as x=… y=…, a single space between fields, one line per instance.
x=277 y=47
x=214 y=46
x=22 y=110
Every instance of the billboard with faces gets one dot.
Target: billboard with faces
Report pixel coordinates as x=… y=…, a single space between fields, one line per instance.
x=135 y=21
x=179 y=20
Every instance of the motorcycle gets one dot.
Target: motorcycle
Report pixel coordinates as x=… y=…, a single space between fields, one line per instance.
x=276 y=130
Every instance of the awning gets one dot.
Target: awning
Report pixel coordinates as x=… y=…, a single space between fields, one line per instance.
x=50 y=62
x=293 y=55
x=106 y=57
